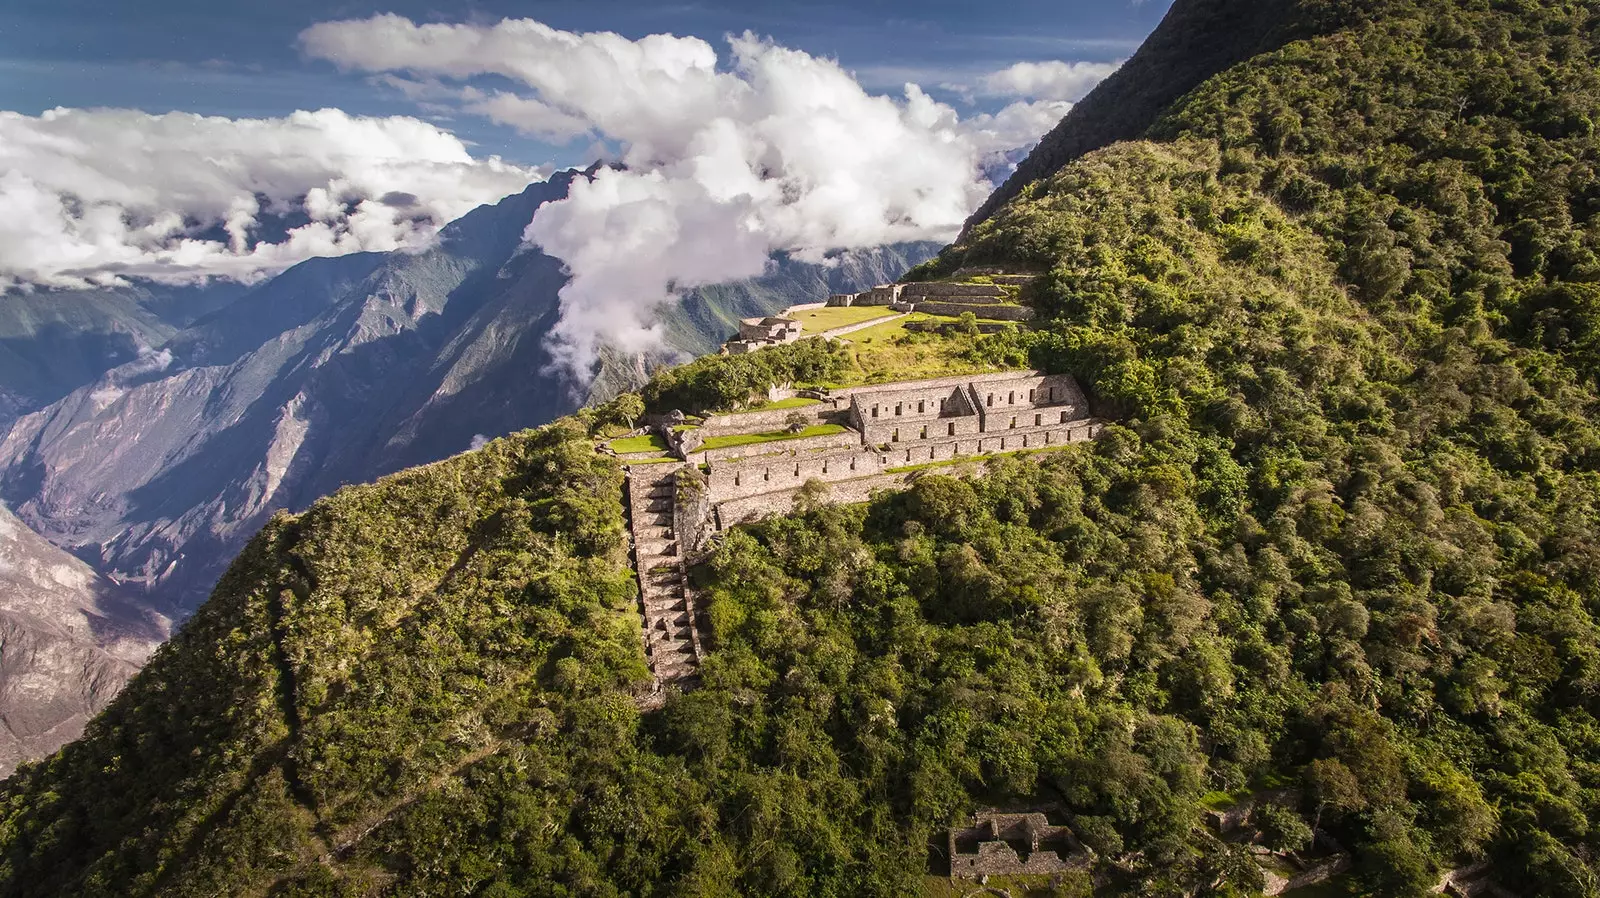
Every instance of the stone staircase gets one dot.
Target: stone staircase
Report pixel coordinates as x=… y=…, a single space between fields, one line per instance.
x=671 y=638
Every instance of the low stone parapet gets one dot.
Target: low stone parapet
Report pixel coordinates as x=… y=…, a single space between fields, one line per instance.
x=939 y=288
x=764 y=421
x=799 y=444
x=994 y=312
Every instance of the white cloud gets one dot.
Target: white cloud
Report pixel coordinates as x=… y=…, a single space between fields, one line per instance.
x=777 y=150
x=88 y=196
x=1054 y=80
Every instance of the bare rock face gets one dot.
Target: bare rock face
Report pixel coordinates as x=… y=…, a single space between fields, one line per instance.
x=69 y=640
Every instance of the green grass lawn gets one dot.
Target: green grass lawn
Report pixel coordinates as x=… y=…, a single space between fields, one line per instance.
x=648 y=443
x=815 y=321
x=747 y=439
x=792 y=402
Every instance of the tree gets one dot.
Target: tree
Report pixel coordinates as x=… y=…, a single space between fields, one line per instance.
x=1333 y=787
x=1280 y=828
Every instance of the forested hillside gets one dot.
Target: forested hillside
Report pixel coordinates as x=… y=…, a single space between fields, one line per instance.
x=1343 y=305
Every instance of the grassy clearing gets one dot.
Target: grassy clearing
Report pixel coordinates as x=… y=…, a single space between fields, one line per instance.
x=888 y=352
x=792 y=402
x=748 y=439
x=648 y=443
x=815 y=321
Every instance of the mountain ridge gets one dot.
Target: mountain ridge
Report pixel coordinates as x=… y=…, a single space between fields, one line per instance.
x=1325 y=590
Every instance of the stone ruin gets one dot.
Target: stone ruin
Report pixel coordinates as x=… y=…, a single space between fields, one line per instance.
x=884 y=433
x=885 y=428
x=760 y=333
x=1002 y=844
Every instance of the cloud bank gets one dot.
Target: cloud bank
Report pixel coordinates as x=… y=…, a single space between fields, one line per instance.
x=776 y=150
x=89 y=197
x=1054 y=80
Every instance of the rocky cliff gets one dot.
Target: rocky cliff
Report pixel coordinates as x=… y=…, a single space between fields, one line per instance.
x=69 y=640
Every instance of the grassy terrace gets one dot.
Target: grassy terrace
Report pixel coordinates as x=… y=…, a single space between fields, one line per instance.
x=749 y=439
x=888 y=352
x=815 y=321
x=648 y=443
x=794 y=402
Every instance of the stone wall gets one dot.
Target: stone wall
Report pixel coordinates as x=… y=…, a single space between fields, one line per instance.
x=848 y=438
x=975 y=303
x=740 y=478
x=1052 y=391
x=1013 y=844
x=954 y=380
x=992 y=312
x=879 y=296
x=767 y=421
x=913 y=401
x=893 y=431
x=754 y=508
x=839 y=300
x=948 y=289
x=766 y=485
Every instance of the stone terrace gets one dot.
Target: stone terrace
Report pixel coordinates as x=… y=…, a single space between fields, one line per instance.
x=890 y=426
x=885 y=432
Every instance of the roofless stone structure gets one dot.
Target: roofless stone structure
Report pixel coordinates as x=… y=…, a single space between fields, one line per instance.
x=1000 y=844
x=740 y=467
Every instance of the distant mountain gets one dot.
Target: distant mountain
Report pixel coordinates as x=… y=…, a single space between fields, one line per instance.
x=337 y=371
x=54 y=341
x=1331 y=568
x=68 y=642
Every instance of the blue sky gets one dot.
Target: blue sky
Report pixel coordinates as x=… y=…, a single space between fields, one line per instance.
x=239 y=59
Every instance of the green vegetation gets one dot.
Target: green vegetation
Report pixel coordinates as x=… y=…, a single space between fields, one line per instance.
x=360 y=670
x=1344 y=307
x=888 y=352
x=879 y=354
x=1020 y=453
x=778 y=405
x=747 y=439
x=649 y=442
x=815 y=321
x=732 y=381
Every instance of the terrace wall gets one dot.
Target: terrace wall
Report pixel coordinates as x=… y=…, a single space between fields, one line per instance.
x=745 y=477
x=768 y=421
x=993 y=312
x=754 y=508
x=948 y=289
x=848 y=438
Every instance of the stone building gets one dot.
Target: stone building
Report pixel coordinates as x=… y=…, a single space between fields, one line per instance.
x=886 y=427
x=882 y=436
x=759 y=333
x=1011 y=844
